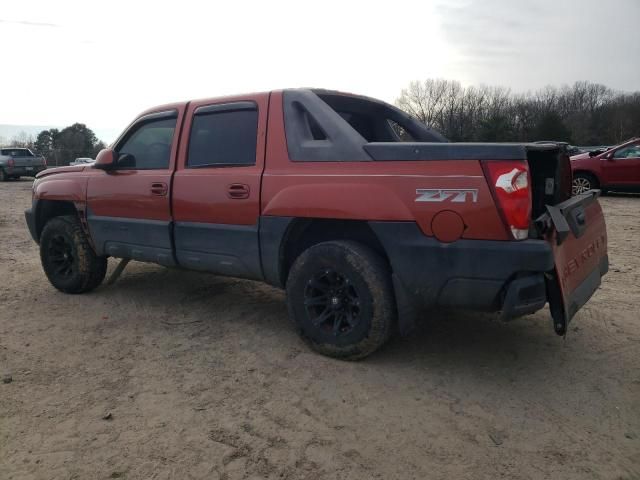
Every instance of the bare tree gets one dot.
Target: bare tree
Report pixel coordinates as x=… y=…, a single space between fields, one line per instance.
x=585 y=113
x=424 y=100
x=22 y=139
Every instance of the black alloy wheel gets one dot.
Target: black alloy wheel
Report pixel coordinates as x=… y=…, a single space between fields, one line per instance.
x=60 y=256
x=332 y=302
x=68 y=259
x=340 y=296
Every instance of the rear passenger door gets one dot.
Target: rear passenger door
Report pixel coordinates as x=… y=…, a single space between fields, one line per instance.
x=216 y=187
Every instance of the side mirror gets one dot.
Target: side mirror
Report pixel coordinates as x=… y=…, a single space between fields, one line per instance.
x=126 y=160
x=106 y=159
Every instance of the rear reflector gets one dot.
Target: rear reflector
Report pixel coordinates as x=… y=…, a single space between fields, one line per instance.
x=510 y=183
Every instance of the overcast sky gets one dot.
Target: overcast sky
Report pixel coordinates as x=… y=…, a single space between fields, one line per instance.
x=101 y=63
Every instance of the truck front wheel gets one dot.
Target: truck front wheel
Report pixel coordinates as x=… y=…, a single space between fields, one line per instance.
x=340 y=296
x=68 y=260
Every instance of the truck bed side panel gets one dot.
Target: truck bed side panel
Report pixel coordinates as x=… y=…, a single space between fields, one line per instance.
x=379 y=191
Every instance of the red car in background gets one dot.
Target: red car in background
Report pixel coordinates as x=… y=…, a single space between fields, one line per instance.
x=617 y=168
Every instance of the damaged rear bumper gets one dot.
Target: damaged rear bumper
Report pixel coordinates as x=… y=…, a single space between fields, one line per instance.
x=483 y=275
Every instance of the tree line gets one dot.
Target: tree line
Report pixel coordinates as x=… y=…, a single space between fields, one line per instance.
x=60 y=147
x=582 y=114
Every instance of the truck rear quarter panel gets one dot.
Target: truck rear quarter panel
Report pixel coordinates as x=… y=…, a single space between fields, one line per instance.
x=376 y=190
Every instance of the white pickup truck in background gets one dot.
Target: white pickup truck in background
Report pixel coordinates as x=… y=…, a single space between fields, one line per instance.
x=19 y=162
x=82 y=161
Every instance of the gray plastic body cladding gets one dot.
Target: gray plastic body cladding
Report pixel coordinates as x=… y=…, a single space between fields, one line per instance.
x=465 y=273
x=30 y=217
x=415 y=151
x=367 y=105
x=342 y=142
x=412 y=151
x=525 y=295
x=273 y=232
x=138 y=239
x=231 y=250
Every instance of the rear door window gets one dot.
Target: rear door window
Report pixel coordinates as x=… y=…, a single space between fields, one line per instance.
x=223 y=136
x=632 y=151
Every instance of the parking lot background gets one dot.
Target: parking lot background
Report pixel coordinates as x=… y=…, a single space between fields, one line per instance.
x=174 y=374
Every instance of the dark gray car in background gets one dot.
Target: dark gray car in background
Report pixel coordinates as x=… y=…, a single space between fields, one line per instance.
x=19 y=162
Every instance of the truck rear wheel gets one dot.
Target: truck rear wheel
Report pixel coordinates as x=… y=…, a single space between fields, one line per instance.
x=340 y=296
x=68 y=260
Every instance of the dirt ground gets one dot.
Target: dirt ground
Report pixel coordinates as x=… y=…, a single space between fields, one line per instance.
x=172 y=374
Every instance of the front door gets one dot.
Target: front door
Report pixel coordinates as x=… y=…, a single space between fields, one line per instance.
x=216 y=187
x=128 y=207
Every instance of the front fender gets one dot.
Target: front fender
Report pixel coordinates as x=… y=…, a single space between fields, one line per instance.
x=55 y=196
x=65 y=189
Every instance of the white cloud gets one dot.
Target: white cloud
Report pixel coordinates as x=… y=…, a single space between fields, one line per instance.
x=527 y=45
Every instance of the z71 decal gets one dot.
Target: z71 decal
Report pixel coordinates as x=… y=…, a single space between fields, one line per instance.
x=447 y=194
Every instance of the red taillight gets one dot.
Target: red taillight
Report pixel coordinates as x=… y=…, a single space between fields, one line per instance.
x=11 y=163
x=510 y=183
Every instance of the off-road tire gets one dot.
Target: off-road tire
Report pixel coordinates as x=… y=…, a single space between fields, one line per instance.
x=79 y=269
x=368 y=278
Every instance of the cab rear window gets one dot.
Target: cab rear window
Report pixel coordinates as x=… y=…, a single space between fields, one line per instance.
x=16 y=152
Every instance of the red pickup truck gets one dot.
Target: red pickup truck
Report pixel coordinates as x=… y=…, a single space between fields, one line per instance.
x=365 y=216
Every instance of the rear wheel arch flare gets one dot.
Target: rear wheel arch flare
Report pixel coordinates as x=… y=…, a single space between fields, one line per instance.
x=303 y=233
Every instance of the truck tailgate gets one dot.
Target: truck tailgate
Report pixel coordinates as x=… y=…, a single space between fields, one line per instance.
x=577 y=233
